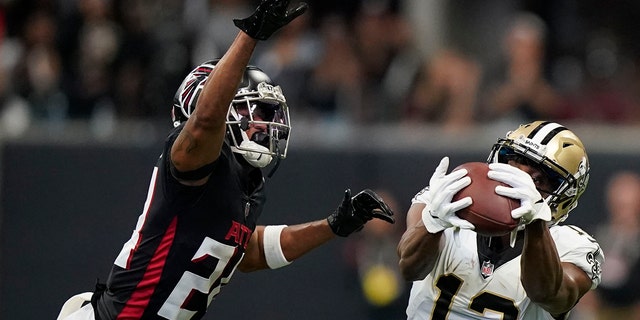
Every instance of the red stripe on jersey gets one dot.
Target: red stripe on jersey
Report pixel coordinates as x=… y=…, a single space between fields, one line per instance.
x=147 y=205
x=137 y=303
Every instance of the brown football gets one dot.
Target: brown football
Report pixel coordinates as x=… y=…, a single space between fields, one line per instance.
x=490 y=212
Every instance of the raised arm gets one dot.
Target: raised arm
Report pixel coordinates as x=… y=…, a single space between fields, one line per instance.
x=430 y=214
x=554 y=285
x=200 y=142
x=418 y=249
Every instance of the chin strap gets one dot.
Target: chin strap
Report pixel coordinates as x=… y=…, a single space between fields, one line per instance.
x=277 y=164
x=261 y=157
x=513 y=236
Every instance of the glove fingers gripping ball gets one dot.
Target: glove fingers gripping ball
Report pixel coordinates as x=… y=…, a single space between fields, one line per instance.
x=490 y=212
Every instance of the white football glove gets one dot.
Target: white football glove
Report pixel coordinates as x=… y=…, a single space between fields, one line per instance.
x=532 y=205
x=440 y=212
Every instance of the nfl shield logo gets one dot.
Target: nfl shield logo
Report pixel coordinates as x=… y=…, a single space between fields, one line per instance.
x=486 y=269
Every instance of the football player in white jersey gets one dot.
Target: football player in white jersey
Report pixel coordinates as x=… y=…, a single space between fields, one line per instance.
x=539 y=271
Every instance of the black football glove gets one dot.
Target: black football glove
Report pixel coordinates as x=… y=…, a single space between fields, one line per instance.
x=270 y=15
x=354 y=212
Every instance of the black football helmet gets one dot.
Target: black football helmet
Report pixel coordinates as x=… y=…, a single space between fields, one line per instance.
x=258 y=101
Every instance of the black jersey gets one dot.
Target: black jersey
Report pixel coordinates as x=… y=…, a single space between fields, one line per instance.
x=186 y=244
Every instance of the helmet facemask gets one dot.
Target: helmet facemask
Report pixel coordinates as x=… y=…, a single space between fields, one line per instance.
x=258 y=109
x=264 y=114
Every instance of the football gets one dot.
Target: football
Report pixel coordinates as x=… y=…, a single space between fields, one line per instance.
x=490 y=212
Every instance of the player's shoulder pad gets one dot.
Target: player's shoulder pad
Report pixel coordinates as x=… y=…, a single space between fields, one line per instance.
x=572 y=236
x=576 y=246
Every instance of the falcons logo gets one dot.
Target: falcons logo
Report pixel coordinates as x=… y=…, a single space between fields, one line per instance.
x=193 y=87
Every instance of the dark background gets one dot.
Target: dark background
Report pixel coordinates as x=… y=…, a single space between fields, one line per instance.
x=68 y=208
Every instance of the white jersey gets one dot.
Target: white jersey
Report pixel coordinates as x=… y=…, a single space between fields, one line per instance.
x=463 y=287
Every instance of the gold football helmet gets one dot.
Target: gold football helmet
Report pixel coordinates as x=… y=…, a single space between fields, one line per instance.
x=556 y=150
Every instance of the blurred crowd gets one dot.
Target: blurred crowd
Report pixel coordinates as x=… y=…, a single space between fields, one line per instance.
x=449 y=63
x=617 y=297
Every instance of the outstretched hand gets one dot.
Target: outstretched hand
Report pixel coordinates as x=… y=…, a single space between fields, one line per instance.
x=520 y=187
x=270 y=15
x=353 y=212
x=440 y=212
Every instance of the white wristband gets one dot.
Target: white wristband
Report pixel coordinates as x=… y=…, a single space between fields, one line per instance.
x=272 y=249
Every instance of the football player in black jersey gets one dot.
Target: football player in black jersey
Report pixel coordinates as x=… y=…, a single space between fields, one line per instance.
x=199 y=222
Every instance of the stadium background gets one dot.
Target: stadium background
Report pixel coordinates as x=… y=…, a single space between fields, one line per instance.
x=72 y=185
x=67 y=207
